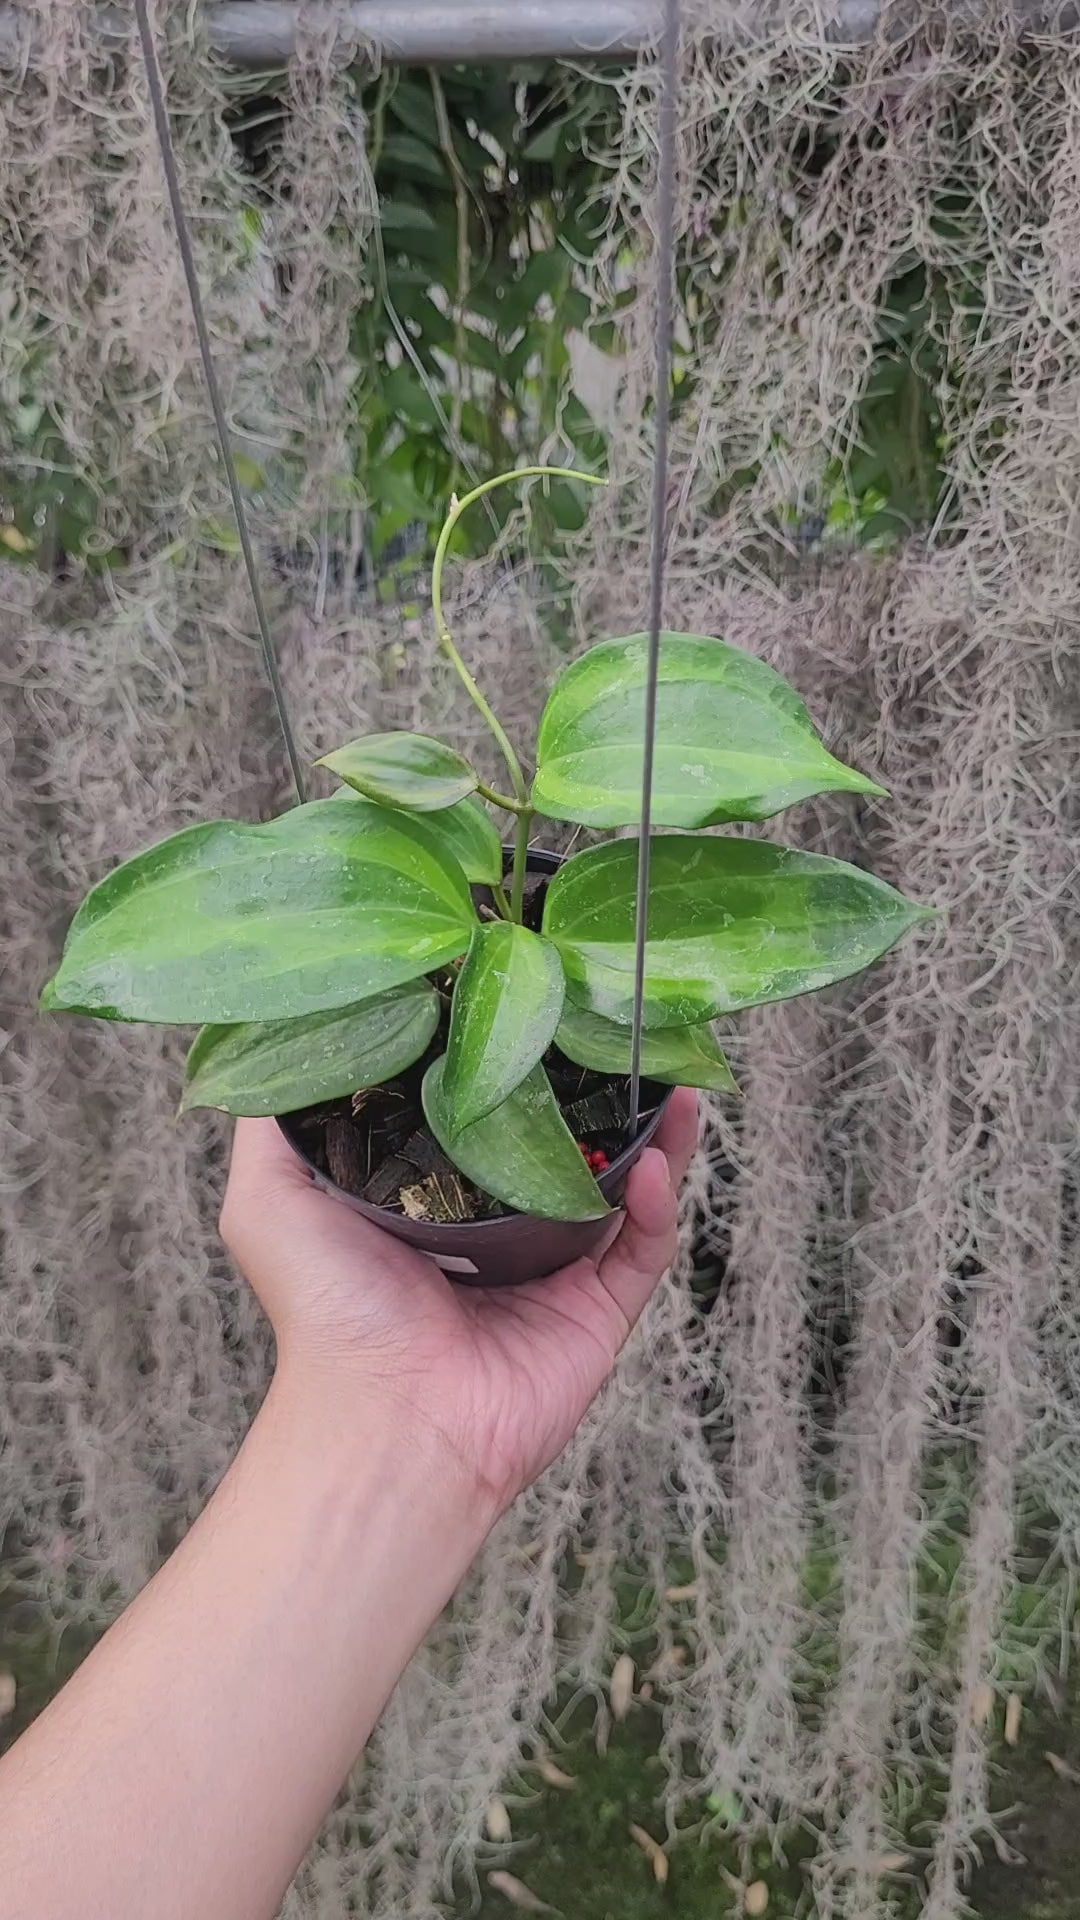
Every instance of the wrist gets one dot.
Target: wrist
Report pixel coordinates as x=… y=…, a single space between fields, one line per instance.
x=365 y=1446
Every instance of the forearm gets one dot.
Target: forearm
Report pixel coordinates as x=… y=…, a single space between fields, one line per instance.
x=186 y=1767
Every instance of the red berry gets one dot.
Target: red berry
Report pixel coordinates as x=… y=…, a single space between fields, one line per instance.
x=595 y=1158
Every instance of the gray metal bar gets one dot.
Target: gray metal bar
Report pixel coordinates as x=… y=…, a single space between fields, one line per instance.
x=263 y=33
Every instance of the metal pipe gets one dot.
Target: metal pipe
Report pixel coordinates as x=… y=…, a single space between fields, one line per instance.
x=263 y=33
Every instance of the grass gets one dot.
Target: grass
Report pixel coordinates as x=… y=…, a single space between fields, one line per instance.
x=1041 y=1827
x=573 y=1847
x=573 y=1850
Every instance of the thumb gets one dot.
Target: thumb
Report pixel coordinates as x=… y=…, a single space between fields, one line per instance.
x=633 y=1266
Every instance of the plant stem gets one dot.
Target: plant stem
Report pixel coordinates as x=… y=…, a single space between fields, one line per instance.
x=457 y=508
x=501 y=902
x=521 y=857
x=502 y=800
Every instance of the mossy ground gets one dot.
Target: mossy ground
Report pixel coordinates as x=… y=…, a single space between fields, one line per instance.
x=41 y=1663
x=1040 y=1824
x=572 y=1846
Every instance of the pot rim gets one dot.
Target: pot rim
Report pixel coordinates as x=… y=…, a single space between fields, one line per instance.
x=647 y=1125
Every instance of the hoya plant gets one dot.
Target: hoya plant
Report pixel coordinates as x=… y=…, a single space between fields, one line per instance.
x=330 y=950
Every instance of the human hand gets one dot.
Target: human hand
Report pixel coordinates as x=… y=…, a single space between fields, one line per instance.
x=496 y=1380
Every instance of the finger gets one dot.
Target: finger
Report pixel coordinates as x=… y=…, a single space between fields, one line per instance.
x=677 y=1134
x=645 y=1248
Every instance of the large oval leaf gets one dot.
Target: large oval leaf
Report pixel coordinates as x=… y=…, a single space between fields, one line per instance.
x=228 y=922
x=468 y=833
x=733 y=740
x=403 y=770
x=732 y=923
x=523 y=1154
x=507 y=1001
x=276 y=1066
x=677 y=1056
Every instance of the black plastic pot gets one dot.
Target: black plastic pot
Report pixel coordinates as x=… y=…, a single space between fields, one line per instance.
x=517 y=1248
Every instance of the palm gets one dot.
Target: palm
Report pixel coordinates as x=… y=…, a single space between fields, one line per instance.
x=502 y=1376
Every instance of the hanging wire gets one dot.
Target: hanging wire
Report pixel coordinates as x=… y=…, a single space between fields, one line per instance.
x=665 y=313
x=187 y=256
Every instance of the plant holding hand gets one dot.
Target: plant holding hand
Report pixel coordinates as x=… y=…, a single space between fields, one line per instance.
x=319 y=949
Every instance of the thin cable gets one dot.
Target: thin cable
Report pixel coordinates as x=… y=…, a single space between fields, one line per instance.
x=665 y=320
x=187 y=256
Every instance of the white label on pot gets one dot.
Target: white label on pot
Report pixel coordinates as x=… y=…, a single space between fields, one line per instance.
x=451 y=1264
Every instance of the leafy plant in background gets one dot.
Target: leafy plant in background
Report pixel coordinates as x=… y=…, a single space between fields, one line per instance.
x=891 y=481
x=48 y=507
x=492 y=213
x=329 y=947
x=487 y=213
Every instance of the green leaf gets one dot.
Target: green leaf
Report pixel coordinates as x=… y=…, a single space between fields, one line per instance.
x=467 y=834
x=481 y=351
x=545 y=145
x=404 y=154
x=523 y=1153
x=412 y=105
x=248 y=472
x=401 y=216
x=678 y=1056
x=507 y=1002
x=732 y=923
x=569 y=512
x=733 y=740
x=403 y=770
x=276 y=1066
x=229 y=922
x=546 y=272
x=221 y=535
x=403 y=394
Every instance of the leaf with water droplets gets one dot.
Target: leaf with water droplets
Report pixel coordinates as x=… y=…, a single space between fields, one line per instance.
x=224 y=923
x=676 y=1056
x=466 y=833
x=276 y=1066
x=733 y=740
x=507 y=1001
x=732 y=924
x=523 y=1153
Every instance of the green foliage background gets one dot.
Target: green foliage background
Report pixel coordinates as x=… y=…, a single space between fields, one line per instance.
x=493 y=214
